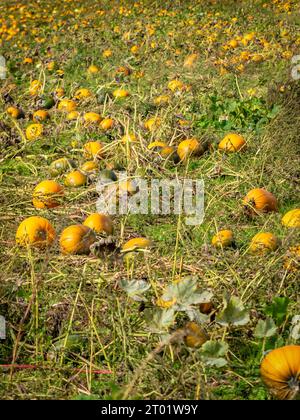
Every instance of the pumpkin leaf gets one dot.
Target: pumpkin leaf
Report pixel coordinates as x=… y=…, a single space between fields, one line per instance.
x=295 y=328
x=265 y=329
x=278 y=309
x=160 y=320
x=212 y=353
x=234 y=312
x=135 y=288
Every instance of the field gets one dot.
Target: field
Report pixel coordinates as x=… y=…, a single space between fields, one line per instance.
x=184 y=315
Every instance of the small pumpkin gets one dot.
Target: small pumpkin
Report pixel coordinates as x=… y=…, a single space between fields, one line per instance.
x=93 y=149
x=280 y=371
x=176 y=85
x=107 y=53
x=128 y=186
x=75 y=179
x=169 y=152
x=40 y=115
x=99 y=223
x=156 y=146
x=232 y=143
x=89 y=166
x=107 y=124
x=136 y=243
x=128 y=138
x=188 y=148
x=263 y=242
x=260 y=200
x=82 y=93
x=35 y=87
x=35 y=231
x=162 y=100
x=15 y=112
x=120 y=93
x=152 y=123
x=92 y=118
x=194 y=336
x=73 y=115
x=126 y=71
x=93 y=69
x=34 y=131
x=47 y=195
x=67 y=105
x=59 y=92
x=60 y=166
x=291 y=219
x=223 y=239
x=76 y=239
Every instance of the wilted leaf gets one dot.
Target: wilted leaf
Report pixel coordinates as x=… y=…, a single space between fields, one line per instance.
x=135 y=288
x=212 y=353
x=234 y=312
x=295 y=328
x=265 y=328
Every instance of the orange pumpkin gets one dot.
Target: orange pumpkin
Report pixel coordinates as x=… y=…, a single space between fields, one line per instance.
x=89 y=166
x=35 y=87
x=34 y=131
x=67 y=105
x=136 y=243
x=99 y=223
x=15 y=112
x=76 y=239
x=161 y=100
x=175 y=85
x=92 y=118
x=107 y=124
x=263 y=242
x=128 y=138
x=82 y=93
x=260 y=200
x=280 y=371
x=47 y=195
x=291 y=219
x=35 y=231
x=194 y=336
x=75 y=179
x=232 y=143
x=153 y=123
x=292 y=259
x=93 y=149
x=40 y=115
x=93 y=69
x=73 y=115
x=120 y=93
x=156 y=145
x=123 y=70
x=223 y=239
x=188 y=148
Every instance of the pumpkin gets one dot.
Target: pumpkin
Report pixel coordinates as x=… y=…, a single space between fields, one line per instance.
x=232 y=143
x=190 y=60
x=93 y=69
x=189 y=147
x=175 y=85
x=73 y=115
x=60 y=166
x=152 y=123
x=82 y=93
x=223 y=239
x=206 y=307
x=93 y=149
x=35 y=87
x=107 y=53
x=292 y=260
x=136 y=243
x=99 y=223
x=161 y=100
x=89 y=166
x=128 y=186
x=128 y=138
x=92 y=117
x=67 y=105
x=34 y=131
x=35 y=231
x=260 y=200
x=76 y=239
x=169 y=152
x=263 y=242
x=40 y=115
x=157 y=145
x=75 y=179
x=47 y=195
x=291 y=219
x=120 y=93
x=194 y=336
x=15 y=112
x=280 y=371
x=107 y=124
x=59 y=92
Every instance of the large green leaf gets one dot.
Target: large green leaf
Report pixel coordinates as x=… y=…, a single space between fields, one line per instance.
x=265 y=329
x=234 y=312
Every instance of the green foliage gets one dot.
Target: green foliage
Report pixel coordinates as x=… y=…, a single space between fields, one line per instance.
x=233 y=313
x=265 y=329
x=278 y=310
